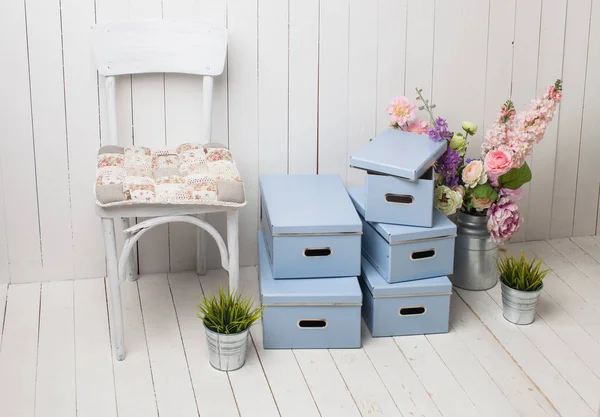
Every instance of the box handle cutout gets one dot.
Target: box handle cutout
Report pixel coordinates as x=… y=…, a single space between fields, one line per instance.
x=412 y=311
x=420 y=255
x=317 y=252
x=312 y=323
x=399 y=199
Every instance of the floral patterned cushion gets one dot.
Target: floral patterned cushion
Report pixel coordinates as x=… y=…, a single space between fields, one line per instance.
x=190 y=174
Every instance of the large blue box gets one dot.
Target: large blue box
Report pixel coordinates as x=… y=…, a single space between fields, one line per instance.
x=405 y=308
x=318 y=313
x=310 y=226
x=405 y=253
x=400 y=177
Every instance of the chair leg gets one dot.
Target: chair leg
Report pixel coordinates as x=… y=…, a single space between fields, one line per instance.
x=132 y=271
x=201 y=248
x=233 y=249
x=116 y=316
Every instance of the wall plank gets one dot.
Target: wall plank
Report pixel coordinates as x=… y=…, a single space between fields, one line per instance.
x=4 y=269
x=569 y=134
x=419 y=48
x=525 y=64
x=17 y=147
x=49 y=131
x=243 y=114
x=81 y=101
x=391 y=57
x=333 y=87
x=303 y=80
x=588 y=175
x=362 y=82
x=550 y=65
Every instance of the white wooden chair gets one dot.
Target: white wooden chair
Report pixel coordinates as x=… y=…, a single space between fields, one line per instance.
x=159 y=47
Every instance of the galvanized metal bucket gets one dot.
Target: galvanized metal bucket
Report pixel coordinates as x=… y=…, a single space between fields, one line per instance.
x=474 y=254
x=227 y=352
x=519 y=306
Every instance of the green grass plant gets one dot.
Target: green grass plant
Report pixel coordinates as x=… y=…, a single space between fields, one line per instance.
x=228 y=313
x=521 y=274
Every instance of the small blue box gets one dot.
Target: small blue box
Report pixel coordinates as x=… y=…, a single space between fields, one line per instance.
x=405 y=308
x=310 y=226
x=308 y=313
x=400 y=178
x=405 y=253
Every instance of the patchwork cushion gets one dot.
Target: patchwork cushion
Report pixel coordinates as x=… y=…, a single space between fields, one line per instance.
x=190 y=174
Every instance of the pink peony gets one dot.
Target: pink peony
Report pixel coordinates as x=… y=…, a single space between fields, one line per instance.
x=514 y=195
x=503 y=220
x=418 y=126
x=401 y=111
x=497 y=162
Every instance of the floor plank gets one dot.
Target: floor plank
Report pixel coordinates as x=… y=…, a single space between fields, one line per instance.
x=93 y=355
x=172 y=383
x=564 y=360
x=471 y=375
x=566 y=400
x=524 y=395
x=285 y=378
x=399 y=378
x=365 y=385
x=3 y=300
x=447 y=393
x=578 y=257
x=326 y=384
x=133 y=377
x=212 y=388
x=18 y=351
x=252 y=391
x=55 y=388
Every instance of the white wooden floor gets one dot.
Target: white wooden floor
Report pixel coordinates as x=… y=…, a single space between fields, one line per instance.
x=56 y=361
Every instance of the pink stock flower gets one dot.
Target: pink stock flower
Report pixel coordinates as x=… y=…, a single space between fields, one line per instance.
x=503 y=220
x=401 y=112
x=514 y=195
x=418 y=126
x=497 y=162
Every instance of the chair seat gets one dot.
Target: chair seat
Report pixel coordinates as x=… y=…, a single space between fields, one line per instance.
x=190 y=174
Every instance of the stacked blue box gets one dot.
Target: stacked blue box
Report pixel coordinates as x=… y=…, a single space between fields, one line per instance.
x=309 y=260
x=406 y=253
x=408 y=246
x=405 y=308
x=400 y=179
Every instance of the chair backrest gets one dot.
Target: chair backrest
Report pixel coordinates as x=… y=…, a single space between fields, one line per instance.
x=138 y=47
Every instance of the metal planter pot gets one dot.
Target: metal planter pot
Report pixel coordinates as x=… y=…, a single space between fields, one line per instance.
x=227 y=352
x=519 y=306
x=474 y=254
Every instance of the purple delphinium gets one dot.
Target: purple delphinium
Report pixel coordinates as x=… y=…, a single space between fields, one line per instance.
x=447 y=165
x=439 y=131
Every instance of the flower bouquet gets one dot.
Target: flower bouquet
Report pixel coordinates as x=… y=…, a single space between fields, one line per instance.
x=491 y=185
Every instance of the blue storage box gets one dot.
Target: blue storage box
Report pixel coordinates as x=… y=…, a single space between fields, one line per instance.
x=405 y=308
x=310 y=226
x=405 y=253
x=400 y=177
x=308 y=313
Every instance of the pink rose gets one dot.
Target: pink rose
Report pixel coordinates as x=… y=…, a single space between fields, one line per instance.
x=497 y=162
x=474 y=174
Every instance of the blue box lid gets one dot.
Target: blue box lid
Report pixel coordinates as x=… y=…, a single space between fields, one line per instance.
x=378 y=286
x=326 y=291
x=395 y=233
x=399 y=153
x=308 y=204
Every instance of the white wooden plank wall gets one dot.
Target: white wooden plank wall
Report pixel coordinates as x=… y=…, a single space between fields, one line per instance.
x=305 y=85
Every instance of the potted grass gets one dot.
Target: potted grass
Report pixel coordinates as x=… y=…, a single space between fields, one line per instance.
x=521 y=287
x=227 y=319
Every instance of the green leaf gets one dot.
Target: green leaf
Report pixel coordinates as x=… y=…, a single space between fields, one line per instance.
x=516 y=177
x=485 y=191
